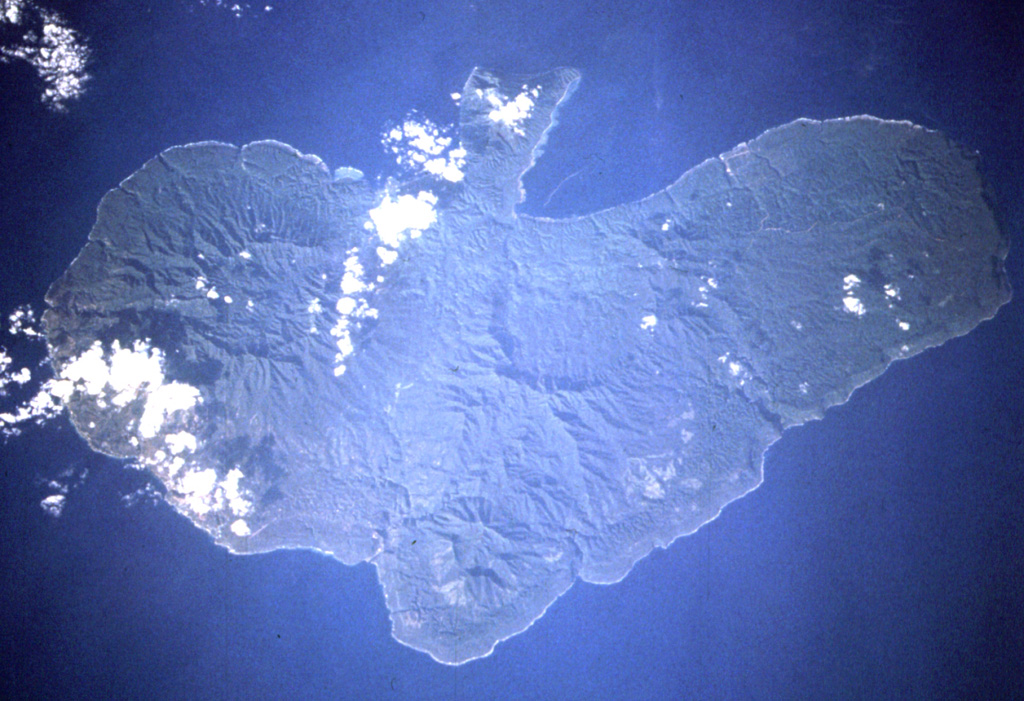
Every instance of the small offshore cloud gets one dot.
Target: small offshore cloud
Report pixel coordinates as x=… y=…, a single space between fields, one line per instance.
x=43 y=39
x=238 y=9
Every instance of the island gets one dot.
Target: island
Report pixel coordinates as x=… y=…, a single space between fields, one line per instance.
x=484 y=405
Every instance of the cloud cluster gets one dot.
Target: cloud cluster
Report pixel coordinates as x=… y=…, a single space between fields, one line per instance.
x=44 y=40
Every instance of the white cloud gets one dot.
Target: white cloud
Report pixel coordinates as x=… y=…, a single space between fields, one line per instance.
x=128 y=373
x=8 y=378
x=345 y=306
x=50 y=46
x=12 y=11
x=238 y=9
x=352 y=282
x=510 y=113
x=423 y=147
x=164 y=401
x=22 y=322
x=392 y=218
x=233 y=493
x=180 y=442
x=344 y=344
x=200 y=492
x=854 y=306
x=424 y=138
x=89 y=370
x=54 y=504
x=197 y=487
x=352 y=309
x=147 y=494
x=129 y=369
x=387 y=256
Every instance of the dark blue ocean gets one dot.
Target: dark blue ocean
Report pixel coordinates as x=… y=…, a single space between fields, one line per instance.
x=882 y=558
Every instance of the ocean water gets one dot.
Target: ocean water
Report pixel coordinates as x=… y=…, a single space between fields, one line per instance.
x=881 y=558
